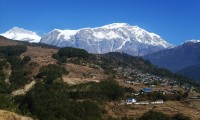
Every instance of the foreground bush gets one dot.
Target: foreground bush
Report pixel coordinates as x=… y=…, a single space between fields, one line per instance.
x=153 y=115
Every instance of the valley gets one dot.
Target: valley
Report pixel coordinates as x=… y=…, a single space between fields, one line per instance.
x=85 y=83
x=99 y=60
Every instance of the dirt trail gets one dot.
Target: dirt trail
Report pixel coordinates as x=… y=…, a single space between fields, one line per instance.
x=24 y=90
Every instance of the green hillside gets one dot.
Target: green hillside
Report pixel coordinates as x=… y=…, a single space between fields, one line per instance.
x=51 y=98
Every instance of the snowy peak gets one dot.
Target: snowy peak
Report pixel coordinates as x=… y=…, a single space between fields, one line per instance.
x=20 y=30
x=21 y=34
x=192 y=41
x=115 y=25
x=120 y=37
x=141 y=35
x=66 y=34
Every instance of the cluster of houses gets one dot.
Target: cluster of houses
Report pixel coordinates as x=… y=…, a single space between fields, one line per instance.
x=145 y=78
x=143 y=91
x=133 y=101
x=159 y=84
x=135 y=77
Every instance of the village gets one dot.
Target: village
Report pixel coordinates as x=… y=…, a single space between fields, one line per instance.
x=145 y=83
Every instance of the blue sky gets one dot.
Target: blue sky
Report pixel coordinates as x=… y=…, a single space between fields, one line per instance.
x=174 y=20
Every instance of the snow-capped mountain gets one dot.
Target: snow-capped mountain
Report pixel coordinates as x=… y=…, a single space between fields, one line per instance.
x=22 y=35
x=191 y=41
x=119 y=37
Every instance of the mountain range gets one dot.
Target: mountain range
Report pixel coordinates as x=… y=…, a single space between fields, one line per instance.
x=183 y=59
x=120 y=37
x=177 y=58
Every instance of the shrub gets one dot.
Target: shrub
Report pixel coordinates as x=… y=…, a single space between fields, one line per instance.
x=73 y=52
x=52 y=72
x=55 y=56
x=14 y=50
x=19 y=77
x=5 y=102
x=15 y=61
x=105 y=90
x=180 y=116
x=2 y=63
x=26 y=59
x=153 y=115
x=51 y=101
x=2 y=76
